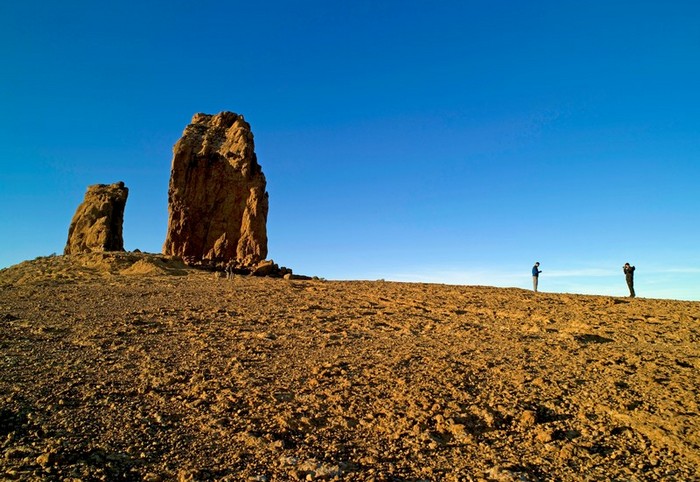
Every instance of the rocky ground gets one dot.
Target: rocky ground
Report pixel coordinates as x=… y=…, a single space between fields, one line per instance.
x=133 y=367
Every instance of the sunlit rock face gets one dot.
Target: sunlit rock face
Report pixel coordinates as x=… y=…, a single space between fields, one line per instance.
x=217 y=201
x=97 y=223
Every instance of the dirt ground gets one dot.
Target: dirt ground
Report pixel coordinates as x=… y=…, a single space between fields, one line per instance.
x=134 y=367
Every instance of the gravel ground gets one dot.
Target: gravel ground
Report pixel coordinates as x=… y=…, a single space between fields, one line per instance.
x=134 y=367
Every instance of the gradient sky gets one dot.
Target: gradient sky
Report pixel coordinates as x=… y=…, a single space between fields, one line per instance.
x=443 y=141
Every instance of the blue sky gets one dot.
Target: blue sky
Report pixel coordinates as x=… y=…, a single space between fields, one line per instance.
x=453 y=141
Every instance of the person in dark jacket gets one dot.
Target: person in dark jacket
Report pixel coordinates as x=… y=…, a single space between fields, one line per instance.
x=629 y=276
x=535 y=275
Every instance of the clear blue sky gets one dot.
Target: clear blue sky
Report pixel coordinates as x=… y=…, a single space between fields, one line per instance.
x=453 y=141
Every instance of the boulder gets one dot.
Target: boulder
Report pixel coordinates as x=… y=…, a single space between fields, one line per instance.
x=265 y=268
x=217 y=201
x=97 y=223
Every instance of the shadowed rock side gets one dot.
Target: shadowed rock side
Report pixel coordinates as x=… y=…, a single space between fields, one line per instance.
x=216 y=199
x=97 y=223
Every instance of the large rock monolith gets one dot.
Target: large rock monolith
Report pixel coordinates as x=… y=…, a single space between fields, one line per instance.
x=97 y=223
x=217 y=201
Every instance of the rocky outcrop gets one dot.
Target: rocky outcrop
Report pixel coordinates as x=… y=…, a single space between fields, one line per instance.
x=97 y=223
x=217 y=201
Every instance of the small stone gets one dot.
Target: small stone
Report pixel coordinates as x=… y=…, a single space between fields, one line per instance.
x=528 y=418
x=297 y=474
x=544 y=435
x=17 y=453
x=47 y=458
x=566 y=452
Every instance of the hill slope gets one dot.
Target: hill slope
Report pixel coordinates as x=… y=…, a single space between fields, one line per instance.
x=112 y=369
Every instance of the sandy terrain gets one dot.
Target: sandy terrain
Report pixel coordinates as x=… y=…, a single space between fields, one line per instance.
x=133 y=367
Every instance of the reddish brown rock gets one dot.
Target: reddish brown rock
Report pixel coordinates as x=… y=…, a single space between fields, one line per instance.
x=217 y=201
x=97 y=223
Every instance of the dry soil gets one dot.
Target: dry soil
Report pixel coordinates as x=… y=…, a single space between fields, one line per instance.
x=134 y=367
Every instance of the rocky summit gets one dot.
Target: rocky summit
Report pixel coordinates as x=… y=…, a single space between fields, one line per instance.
x=97 y=223
x=217 y=201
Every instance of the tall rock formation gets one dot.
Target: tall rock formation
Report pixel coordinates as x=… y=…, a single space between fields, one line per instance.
x=97 y=223
x=217 y=201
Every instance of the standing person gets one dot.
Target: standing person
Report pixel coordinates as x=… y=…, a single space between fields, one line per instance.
x=629 y=276
x=535 y=275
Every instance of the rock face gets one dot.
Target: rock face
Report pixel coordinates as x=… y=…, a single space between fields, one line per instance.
x=97 y=223
x=217 y=201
